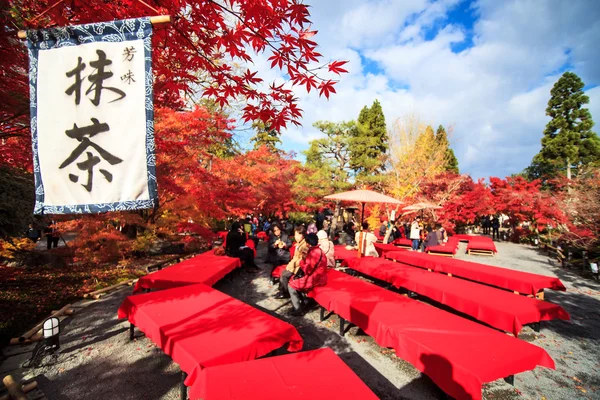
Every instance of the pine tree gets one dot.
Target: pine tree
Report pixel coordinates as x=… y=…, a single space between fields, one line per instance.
x=442 y=139
x=265 y=136
x=568 y=140
x=368 y=145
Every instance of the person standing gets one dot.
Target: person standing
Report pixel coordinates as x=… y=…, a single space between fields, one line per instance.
x=52 y=235
x=431 y=239
x=415 y=233
x=495 y=228
x=365 y=241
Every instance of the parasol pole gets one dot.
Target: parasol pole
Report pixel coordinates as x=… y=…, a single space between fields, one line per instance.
x=362 y=215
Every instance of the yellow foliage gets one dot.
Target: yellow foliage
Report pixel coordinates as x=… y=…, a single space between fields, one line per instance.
x=415 y=156
x=374 y=219
x=7 y=249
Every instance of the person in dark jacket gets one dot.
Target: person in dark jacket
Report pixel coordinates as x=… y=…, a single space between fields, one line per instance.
x=279 y=247
x=236 y=247
x=432 y=238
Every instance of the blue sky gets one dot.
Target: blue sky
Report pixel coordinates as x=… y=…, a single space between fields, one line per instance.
x=483 y=67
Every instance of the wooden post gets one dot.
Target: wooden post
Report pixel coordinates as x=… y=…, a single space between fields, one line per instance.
x=14 y=389
x=156 y=20
x=33 y=339
x=25 y=388
x=96 y=294
x=39 y=326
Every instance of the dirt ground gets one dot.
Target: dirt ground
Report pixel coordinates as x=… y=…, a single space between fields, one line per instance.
x=97 y=360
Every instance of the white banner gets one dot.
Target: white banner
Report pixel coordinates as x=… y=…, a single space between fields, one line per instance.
x=92 y=117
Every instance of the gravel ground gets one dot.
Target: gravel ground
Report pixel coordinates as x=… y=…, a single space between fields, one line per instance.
x=97 y=360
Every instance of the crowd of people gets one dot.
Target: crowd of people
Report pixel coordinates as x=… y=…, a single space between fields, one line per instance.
x=308 y=249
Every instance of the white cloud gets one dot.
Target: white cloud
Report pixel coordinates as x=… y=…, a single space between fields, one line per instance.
x=494 y=93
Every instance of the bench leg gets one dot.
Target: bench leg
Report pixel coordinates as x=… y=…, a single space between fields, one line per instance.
x=342 y=326
x=322 y=314
x=510 y=380
x=182 y=387
x=536 y=327
x=131 y=331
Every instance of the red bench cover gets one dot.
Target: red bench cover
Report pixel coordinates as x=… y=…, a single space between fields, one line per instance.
x=463 y=237
x=278 y=271
x=207 y=268
x=262 y=235
x=382 y=249
x=201 y=327
x=403 y=242
x=457 y=354
x=497 y=308
x=341 y=253
x=522 y=282
x=309 y=375
x=481 y=243
x=447 y=248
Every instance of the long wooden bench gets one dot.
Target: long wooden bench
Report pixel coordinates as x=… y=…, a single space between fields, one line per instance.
x=497 y=308
x=457 y=354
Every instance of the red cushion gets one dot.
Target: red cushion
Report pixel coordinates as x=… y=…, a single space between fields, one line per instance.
x=278 y=271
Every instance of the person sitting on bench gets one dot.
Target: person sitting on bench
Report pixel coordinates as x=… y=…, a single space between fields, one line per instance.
x=294 y=264
x=312 y=273
x=235 y=246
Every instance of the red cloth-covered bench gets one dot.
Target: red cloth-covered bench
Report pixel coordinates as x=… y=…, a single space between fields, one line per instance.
x=262 y=236
x=382 y=249
x=442 y=250
x=498 y=308
x=463 y=237
x=309 y=375
x=200 y=327
x=403 y=242
x=457 y=354
x=207 y=268
x=341 y=253
x=481 y=245
x=517 y=281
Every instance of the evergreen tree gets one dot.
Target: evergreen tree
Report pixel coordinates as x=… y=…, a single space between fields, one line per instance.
x=368 y=145
x=331 y=154
x=265 y=136
x=568 y=140
x=442 y=139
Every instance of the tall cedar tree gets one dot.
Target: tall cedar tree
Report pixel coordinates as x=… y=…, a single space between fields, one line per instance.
x=442 y=139
x=265 y=136
x=568 y=140
x=368 y=145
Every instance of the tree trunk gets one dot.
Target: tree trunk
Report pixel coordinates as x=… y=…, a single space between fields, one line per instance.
x=568 y=169
x=336 y=215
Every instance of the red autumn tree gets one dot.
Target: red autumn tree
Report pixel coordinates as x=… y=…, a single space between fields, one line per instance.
x=524 y=201
x=462 y=200
x=261 y=179
x=199 y=53
x=583 y=208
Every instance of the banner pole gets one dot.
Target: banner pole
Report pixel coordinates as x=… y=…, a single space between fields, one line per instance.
x=156 y=20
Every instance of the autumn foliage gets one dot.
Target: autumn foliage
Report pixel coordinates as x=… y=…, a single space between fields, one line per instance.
x=204 y=51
